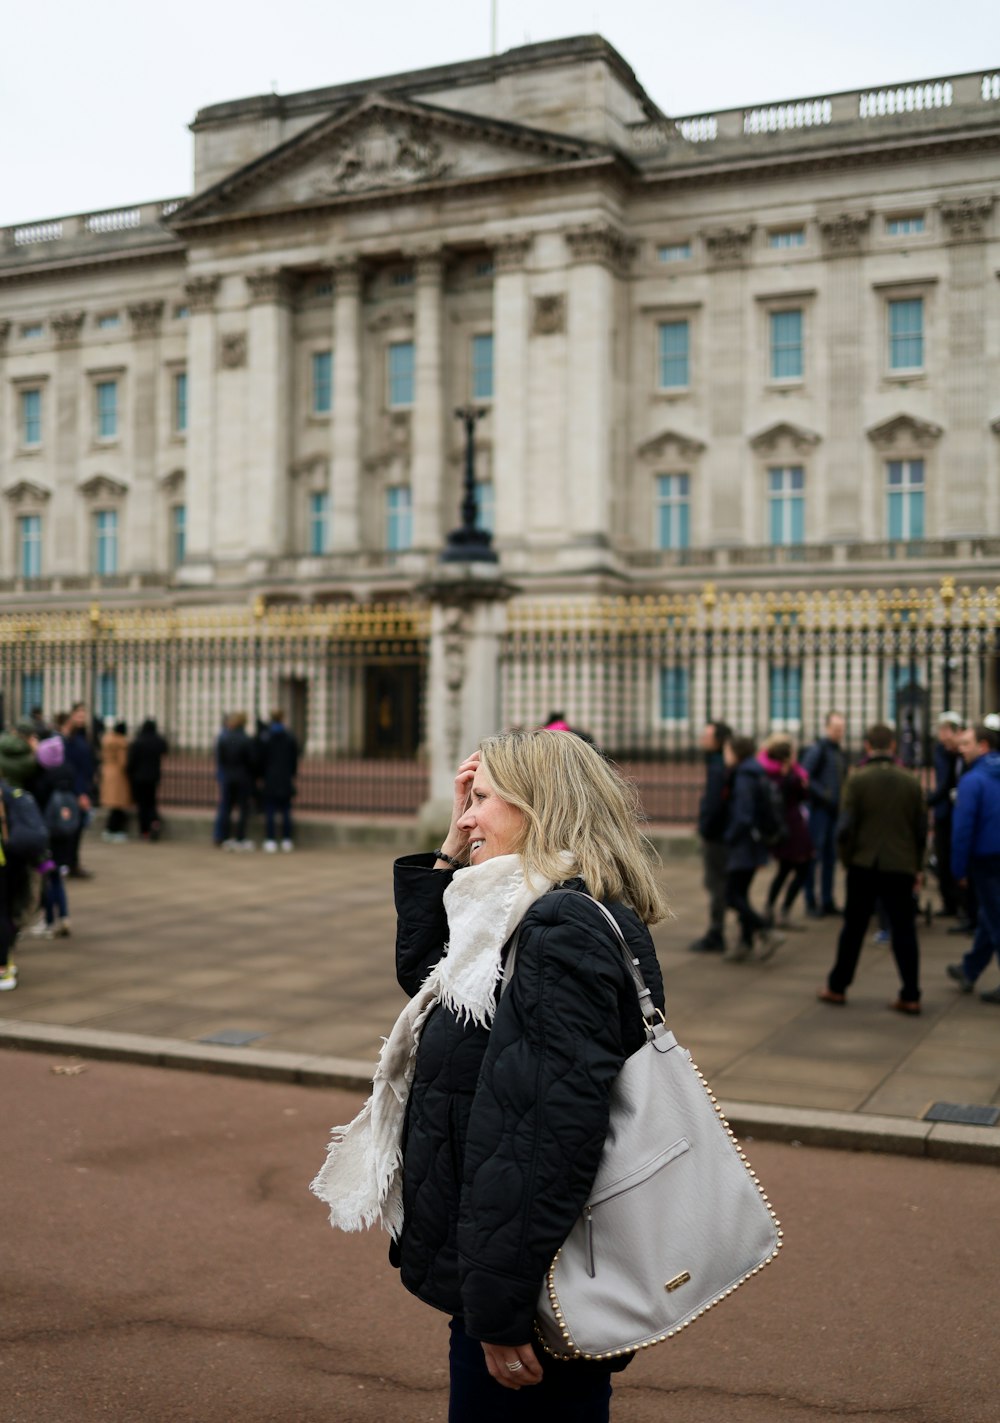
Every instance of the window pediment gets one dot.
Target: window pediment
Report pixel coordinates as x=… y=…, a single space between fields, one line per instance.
x=25 y=491
x=671 y=442
x=173 y=481
x=904 y=430
x=102 y=486
x=766 y=441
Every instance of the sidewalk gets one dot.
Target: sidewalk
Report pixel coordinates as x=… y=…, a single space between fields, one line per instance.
x=293 y=954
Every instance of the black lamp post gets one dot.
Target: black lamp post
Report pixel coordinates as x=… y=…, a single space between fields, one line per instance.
x=468 y=543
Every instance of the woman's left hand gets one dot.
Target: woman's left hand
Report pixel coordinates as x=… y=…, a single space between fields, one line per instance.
x=513 y=1365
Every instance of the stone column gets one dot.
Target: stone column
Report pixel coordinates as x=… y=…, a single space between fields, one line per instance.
x=346 y=431
x=201 y=433
x=510 y=390
x=966 y=370
x=428 y=446
x=140 y=550
x=73 y=433
x=846 y=454
x=724 y=368
x=269 y=338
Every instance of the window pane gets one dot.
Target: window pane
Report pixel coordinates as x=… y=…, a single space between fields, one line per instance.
x=674 y=354
x=906 y=334
x=482 y=366
x=180 y=402
x=319 y=523
x=672 y=514
x=106 y=528
x=899 y=226
x=915 y=471
x=797 y=532
x=895 y=516
x=322 y=382
x=673 y=693
x=107 y=409
x=793 y=237
x=31 y=417
x=29 y=530
x=399 y=521
x=674 y=252
x=916 y=516
x=179 y=534
x=401 y=373
x=786 y=345
x=777 y=521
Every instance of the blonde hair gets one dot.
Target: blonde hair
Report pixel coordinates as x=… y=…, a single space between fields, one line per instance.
x=573 y=799
x=780 y=747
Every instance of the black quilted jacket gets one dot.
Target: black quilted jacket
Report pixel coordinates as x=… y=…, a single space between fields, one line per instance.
x=504 y=1128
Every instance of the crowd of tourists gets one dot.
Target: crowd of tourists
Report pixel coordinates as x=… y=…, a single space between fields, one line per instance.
x=255 y=770
x=762 y=805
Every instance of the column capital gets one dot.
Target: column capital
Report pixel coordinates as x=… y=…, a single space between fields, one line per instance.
x=966 y=217
x=145 y=317
x=599 y=243
x=272 y=285
x=428 y=265
x=510 y=253
x=728 y=246
x=348 y=274
x=201 y=293
x=67 y=326
x=843 y=232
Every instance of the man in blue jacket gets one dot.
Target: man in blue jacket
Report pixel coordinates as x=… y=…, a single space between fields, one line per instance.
x=826 y=766
x=713 y=814
x=975 y=855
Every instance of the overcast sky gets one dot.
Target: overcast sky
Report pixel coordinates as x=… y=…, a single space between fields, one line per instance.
x=96 y=97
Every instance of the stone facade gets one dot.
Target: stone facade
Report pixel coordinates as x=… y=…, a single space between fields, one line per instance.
x=706 y=346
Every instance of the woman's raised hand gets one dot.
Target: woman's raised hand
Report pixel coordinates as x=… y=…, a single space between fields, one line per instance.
x=457 y=841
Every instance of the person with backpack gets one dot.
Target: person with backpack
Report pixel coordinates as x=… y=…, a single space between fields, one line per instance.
x=826 y=766
x=143 y=766
x=23 y=842
x=754 y=820
x=794 y=851
x=61 y=813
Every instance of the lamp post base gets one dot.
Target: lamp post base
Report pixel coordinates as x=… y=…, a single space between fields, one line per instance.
x=467 y=545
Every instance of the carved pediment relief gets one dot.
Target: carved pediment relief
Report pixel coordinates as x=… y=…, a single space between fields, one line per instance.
x=904 y=430
x=25 y=491
x=378 y=144
x=765 y=442
x=312 y=472
x=671 y=442
x=995 y=426
x=173 y=482
x=102 y=486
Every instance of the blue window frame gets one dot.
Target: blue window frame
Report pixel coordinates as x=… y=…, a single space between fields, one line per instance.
x=903 y=226
x=482 y=366
x=674 y=693
x=786 y=345
x=29 y=545
x=109 y=322
x=106 y=542
x=178 y=534
x=906 y=334
x=107 y=694
x=322 y=382
x=398 y=518
x=785 y=692
x=675 y=355
x=905 y=492
x=485 y=508
x=401 y=373
x=180 y=402
x=674 y=252
x=319 y=523
x=788 y=237
x=673 y=513
x=31 y=418
x=787 y=504
x=107 y=409
x=32 y=692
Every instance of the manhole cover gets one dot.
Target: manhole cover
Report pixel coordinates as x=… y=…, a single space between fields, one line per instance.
x=966 y=1116
x=232 y=1037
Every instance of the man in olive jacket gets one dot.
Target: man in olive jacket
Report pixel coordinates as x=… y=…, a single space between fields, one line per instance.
x=881 y=838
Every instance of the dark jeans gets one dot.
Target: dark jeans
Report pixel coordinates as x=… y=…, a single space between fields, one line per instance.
x=738 y=897
x=823 y=833
x=117 y=821
x=984 y=876
x=942 y=853
x=272 y=807
x=787 y=869
x=54 y=896
x=145 y=803
x=570 y=1391
x=234 y=797
x=865 y=887
x=714 y=854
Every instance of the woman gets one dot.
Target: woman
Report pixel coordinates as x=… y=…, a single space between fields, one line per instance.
x=116 y=794
x=747 y=850
x=481 y=1165
x=795 y=851
x=144 y=768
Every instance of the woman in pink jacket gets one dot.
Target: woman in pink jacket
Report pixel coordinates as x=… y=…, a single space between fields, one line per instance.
x=794 y=853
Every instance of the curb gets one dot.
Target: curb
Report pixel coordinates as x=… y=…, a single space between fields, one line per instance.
x=846 y=1131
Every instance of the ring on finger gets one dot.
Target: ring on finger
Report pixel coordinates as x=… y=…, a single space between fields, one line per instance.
x=517 y=1364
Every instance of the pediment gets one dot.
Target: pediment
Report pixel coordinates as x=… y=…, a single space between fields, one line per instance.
x=172 y=482
x=904 y=429
x=669 y=442
x=378 y=144
x=25 y=491
x=766 y=441
x=102 y=486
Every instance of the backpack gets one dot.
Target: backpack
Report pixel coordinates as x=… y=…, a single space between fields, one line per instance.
x=62 y=815
x=26 y=838
x=770 y=813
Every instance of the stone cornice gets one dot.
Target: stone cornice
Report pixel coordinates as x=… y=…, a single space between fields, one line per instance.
x=67 y=326
x=601 y=244
x=966 y=217
x=728 y=246
x=844 y=232
x=766 y=441
x=921 y=433
x=146 y=317
x=201 y=292
x=16 y=274
x=270 y=286
x=510 y=253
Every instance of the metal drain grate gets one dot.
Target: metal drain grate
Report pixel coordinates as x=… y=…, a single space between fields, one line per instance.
x=966 y=1116
x=232 y=1037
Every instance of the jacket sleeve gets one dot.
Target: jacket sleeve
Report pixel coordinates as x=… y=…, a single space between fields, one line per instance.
x=539 y=1116
x=421 y=922
x=847 y=823
x=711 y=800
x=741 y=814
x=963 y=825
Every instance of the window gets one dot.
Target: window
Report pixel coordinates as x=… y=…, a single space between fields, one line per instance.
x=324 y=287
x=180 y=313
x=32 y=332
x=673 y=694
x=786 y=497
x=107 y=695
x=322 y=382
x=403 y=277
x=485 y=268
x=31 y=418
x=29 y=545
x=484 y=505
x=785 y=689
x=178 y=534
x=906 y=334
x=108 y=322
x=319 y=523
x=401 y=373
x=107 y=409
x=672 y=511
x=788 y=237
x=786 y=345
x=398 y=518
x=180 y=402
x=106 y=542
x=905 y=479
x=482 y=366
x=674 y=355
x=32 y=692
x=903 y=226
x=674 y=252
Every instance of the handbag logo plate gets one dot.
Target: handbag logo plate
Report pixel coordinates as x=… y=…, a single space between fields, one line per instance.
x=677 y=1281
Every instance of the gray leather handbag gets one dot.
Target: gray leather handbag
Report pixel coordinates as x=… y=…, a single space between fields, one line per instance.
x=676 y=1219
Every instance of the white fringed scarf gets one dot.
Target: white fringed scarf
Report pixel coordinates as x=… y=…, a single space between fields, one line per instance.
x=361 y=1179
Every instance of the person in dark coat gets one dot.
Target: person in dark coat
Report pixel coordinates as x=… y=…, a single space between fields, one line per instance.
x=482 y=1138
x=975 y=854
x=237 y=766
x=277 y=763
x=713 y=813
x=941 y=802
x=144 y=768
x=56 y=778
x=80 y=756
x=747 y=850
x=826 y=766
x=795 y=852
